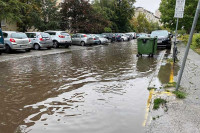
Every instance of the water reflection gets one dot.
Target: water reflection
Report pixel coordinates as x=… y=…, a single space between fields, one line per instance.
x=100 y=89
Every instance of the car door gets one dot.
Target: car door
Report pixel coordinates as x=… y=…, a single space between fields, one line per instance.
x=79 y=39
x=32 y=37
x=74 y=39
x=1 y=40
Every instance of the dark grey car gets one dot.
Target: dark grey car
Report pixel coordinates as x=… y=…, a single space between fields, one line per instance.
x=164 y=38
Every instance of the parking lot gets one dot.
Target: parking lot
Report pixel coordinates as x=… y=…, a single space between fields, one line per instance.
x=80 y=89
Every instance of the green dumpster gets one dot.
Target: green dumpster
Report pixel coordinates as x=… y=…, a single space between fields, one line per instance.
x=147 y=45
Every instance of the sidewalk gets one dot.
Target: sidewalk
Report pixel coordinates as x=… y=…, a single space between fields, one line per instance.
x=182 y=116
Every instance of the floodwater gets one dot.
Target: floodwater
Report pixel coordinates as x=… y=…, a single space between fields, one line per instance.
x=99 y=89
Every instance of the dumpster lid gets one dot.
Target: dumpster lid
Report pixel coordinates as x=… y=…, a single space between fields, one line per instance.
x=147 y=38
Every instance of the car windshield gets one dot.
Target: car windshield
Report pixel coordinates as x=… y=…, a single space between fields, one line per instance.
x=159 y=33
x=19 y=35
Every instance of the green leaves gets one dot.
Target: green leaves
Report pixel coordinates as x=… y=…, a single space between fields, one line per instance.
x=167 y=9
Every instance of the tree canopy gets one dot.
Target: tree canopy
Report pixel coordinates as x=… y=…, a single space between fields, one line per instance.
x=167 y=9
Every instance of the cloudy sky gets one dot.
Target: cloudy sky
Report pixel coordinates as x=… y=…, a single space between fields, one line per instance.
x=150 y=5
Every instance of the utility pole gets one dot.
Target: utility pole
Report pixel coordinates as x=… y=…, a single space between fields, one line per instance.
x=188 y=45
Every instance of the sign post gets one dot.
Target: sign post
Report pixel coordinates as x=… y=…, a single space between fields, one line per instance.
x=188 y=45
x=179 y=12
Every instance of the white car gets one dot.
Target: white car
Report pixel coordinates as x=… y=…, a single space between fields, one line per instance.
x=102 y=39
x=60 y=38
x=16 y=41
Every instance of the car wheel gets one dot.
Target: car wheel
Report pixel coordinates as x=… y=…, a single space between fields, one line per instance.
x=8 y=49
x=55 y=44
x=37 y=47
x=82 y=43
x=99 y=42
x=49 y=48
x=122 y=40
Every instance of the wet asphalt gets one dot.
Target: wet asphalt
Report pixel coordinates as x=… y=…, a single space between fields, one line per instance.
x=98 y=89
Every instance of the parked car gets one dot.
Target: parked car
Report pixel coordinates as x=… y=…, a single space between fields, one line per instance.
x=164 y=38
x=2 y=46
x=82 y=39
x=142 y=35
x=110 y=36
x=102 y=38
x=121 y=37
x=95 y=38
x=133 y=34
x=40 y=40
x=60 y=38
x=130 y=36
x=16 y=41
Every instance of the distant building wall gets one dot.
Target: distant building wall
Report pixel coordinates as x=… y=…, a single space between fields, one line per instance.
x=149 y=15
x=7 y=26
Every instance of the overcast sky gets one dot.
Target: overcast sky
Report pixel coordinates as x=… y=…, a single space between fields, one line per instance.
x=150 y=5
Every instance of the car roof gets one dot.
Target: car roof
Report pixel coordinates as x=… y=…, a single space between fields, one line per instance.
x=54 y=31
x=10 y=31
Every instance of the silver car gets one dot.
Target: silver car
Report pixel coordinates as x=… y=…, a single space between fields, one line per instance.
x=16 y=41
x=40 y=40
x=60 y=38
x=102 y=38
x=82 y=39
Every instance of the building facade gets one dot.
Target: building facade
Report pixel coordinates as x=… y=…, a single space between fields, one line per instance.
x=149 y=15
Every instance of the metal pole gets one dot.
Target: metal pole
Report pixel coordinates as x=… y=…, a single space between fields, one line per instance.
x=176 y=31
x=174 y=49
x=188 y=45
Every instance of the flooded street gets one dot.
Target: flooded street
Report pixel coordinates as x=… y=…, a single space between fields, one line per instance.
x=100 y=89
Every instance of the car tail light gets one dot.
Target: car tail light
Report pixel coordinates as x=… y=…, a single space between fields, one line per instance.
x=12 y=40
x=41 y=39
x=61 y=36
x=29 y=40
x=94 y=38
x=85 y=35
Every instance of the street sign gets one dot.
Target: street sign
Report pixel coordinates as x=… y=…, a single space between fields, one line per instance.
x=179 y=10
x=178 y=14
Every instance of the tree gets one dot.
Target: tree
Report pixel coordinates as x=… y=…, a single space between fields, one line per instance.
x=7 y=12
x=79 y=16
x=118 y=13
x=49 y=16
x=141 y=24
x=167 y=9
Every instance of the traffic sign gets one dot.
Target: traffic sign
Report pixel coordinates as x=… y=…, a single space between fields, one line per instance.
x=179 y=9
x=178 y=14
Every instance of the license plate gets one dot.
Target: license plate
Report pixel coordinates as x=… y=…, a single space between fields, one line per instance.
x=23 y=46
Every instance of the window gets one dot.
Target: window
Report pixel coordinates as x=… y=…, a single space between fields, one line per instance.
x=78 y=36
x=45 y=35
x=5 y=35
x=74 y=36
x=18 y=35
x=64 y=34
x=31 y=35
x=51 y=33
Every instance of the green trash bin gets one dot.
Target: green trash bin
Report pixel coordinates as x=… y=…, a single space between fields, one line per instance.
x=147 y=45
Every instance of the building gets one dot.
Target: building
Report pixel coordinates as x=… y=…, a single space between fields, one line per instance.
x=8 y=26
x=149 y=15
x=158 y=13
